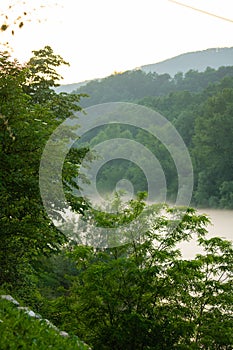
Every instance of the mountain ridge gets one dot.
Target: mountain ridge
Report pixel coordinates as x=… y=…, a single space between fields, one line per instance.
x=195 y=60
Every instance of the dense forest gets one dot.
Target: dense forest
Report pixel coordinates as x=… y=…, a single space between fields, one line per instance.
x=139 y=295
x=199 y=105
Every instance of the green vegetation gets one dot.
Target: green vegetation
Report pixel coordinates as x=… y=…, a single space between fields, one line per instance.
x=199 y=105
x=142 y=294
x=29 y=111
x=136 y=84
x=20 y=331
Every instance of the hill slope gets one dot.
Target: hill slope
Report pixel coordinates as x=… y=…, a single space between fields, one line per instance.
x=23 y=329
x=68 y=88
x=198 y=60
x=134 y=85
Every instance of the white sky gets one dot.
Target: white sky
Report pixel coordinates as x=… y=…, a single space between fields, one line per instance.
x=99 y=37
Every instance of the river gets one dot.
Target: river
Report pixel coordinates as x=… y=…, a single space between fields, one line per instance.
x=221 y=226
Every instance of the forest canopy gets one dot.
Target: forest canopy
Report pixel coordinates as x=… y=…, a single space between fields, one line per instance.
x=199 y=105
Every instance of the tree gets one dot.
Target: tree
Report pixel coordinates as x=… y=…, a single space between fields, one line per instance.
x=29 y=112
x=213 y=146
x=143 y=295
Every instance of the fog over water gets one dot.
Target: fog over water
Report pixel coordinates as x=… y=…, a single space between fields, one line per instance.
x=222 y=226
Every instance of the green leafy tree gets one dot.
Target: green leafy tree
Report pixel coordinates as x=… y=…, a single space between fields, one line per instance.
x=213 y=147
x=29 y=112
x=144 y=295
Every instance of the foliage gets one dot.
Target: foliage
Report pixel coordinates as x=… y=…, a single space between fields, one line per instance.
x=144 y=295
x=212 y=149
x=20 y=331
x=198 y=105
x=29 y=112
x=136 y=84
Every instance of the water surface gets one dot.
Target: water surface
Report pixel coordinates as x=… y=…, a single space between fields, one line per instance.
x=221 y=226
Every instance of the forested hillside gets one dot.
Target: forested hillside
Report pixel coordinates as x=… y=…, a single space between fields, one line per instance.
x=138 y=291
x=197 y=61
x=133 y=85
x=142 y=294
x=199 y=105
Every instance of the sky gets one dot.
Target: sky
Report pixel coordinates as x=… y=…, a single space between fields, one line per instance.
x=100 y=37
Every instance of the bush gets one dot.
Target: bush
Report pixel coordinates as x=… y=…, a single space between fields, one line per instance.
x=20 y=331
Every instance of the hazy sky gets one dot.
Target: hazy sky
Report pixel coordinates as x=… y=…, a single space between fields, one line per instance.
x=99 y=37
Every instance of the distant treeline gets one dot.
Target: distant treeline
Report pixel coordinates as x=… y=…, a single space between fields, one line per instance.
x=136 y=84
x=200 y=106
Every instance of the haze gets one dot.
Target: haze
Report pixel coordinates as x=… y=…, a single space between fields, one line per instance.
x=100 y=37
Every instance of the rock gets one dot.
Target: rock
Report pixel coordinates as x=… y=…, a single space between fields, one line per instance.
x=29 y=312
x=9 y=298
x=50 y=324
x=64 y=334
